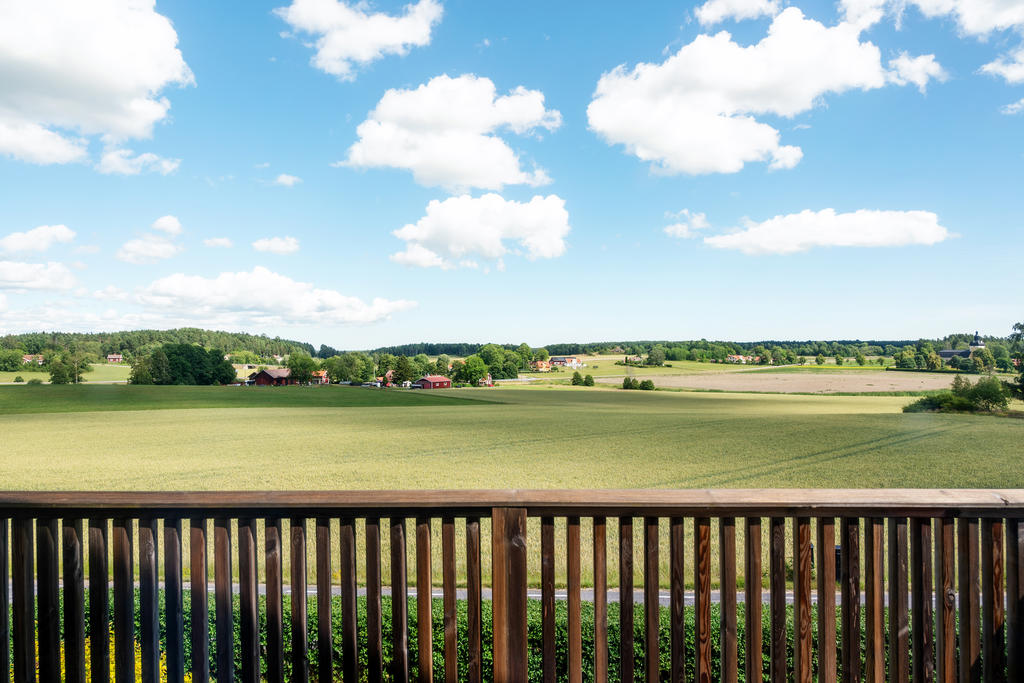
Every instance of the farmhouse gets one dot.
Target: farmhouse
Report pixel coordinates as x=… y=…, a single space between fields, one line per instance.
x=115 y=358
x=567 y=361
x=736 y=358
x=977 y=343
x=29 y=358
x=433 y=382
x=320 y=377
x=272 y=377
x=540 y=366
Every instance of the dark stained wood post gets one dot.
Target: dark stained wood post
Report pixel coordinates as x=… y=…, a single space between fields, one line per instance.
x=826 y=575
x=74 y=600
x=753 y=667
x=399 y=603
x=451 y=626
x=600 y=601
x=274 y=558
x=124 y=601
x=992 y=601
x=874 y=669
x=473 y=600
x=5 y=605
x=23 y=584
x=921 y=598
x=349 y=608
x=572 y=572
x=702 y=599
x=508 y=567
x=850 y=541
x=728 y=647
x=99 y=602
x=945 y=600
x=777 y=587
x=199 y=592
x=224 y=614
x=324 y=645
x=547 y=599
x=970 y=613
x=300 y=636
x=374 y=615
x=424 y=604
x=626 y=598
x=1015 y=599
x=174 y=617
x=47 y=534
x=803 y=630
x=149 y=610
x=248 y=600
x=651 y=617
x=677 y=549
x=899 y=589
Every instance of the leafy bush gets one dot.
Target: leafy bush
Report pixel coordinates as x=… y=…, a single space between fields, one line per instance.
x=34 y=381
x=588 y=381
x=647 y=385
x=989 y=394
x=630 y=383
x=19 y=379
x=577 y=379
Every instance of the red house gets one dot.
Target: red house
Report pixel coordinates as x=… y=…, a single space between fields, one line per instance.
x=320 y=377
x=272 y=378
x=433 y=382
x=115 y=358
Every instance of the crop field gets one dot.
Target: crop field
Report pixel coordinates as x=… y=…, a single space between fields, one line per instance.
x=101 y=372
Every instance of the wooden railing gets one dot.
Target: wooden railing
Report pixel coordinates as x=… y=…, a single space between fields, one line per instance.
x=939 y=575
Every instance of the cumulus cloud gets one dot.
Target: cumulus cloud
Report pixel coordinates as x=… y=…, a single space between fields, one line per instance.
x=445 y=133
x=915 y=70
x=1010 y=67
x=973 y=17
x=347 y=36
x=277 y=245
x=51 y=275
x=687 y=224
x=77 y=69
x=1013 y=108
x=458 y=228
x=796 y=232
x=147 y=249
x=168 y=224
x=266 y=296
x=716 y=11
x=37 y=239
x=121 y=162
x=218 y=242
x=287 y=180
x=110 y=293
x=695 y=112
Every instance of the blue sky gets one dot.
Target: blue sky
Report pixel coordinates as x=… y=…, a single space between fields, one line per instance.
x=735 y=169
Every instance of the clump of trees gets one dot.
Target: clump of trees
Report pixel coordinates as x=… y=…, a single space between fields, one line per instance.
x=579 y=380
x=68 y=367
x=182 y=364
x=988 y=395
x=634 y=383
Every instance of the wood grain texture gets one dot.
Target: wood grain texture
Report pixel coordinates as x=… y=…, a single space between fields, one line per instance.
x=508 y=538
x=777 y=597
x=222 y=597
x=199 y=587
x=993 y=615
x=349 y=606
x=850 y=542
x=1015 y=599
x=899 y=604
x=728 y=648
x=48 y=598
x=273 y=553
x=374 y=615
x=124 y=601
x=424 y=616
x=600 y=601
x=149 y=610
x=5 y=604
x=399 y=603
x=803 y=634
x=547 y=599
x=945 y=600
x=74 y=599
x=473 y=600
x=324 y=583
x=874 y=665
x=300 y=639
x=248 y=585
x=451 y=625
x=174 y=615
x=702 y=599
x=677 y=606
x=753 y=667
x=23 y=600
x=969 y=585
x=652 y=623
x=921 y=600
x=626 y=665
x=826 y=579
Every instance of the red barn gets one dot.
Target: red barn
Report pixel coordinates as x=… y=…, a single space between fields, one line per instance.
x=433 y=382
x=272 y=377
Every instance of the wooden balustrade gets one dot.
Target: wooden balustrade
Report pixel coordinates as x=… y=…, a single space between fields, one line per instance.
x=930 y=584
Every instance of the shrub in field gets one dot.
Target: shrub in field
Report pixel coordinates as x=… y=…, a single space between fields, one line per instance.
x=647 y=385
x=630 y=383
x=577 y=379
x=588 y=381
x=19 y=379
x=989 y=394
x=34 y=381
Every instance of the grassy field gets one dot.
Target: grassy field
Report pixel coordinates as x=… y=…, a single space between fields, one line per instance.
x=101 y=372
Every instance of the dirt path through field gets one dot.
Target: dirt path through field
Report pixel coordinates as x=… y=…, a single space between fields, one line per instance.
x=796 y=382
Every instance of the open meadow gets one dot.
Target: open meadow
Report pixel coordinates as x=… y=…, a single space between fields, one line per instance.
x=101 y=372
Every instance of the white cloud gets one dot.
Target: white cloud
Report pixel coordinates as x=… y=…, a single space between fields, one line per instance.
x=687 y=225
x=445 y=133
x=221 y=242
x=716 y=11
x=266 y=296
x=287 y=180
x=147 y=249
x=37 y=239
x=695 y=112
x=87 y=249
x=1013 y=108
x=169 y=224
x=796 y=232
x=916 y=70
x=75 y=69
x=3 y=303
x=110 y=293
x=121 y=162
x=347 y=36
x=14 y=275
x=1010 y=67
x=277 y=245
x=974 y=17
x=459 y=227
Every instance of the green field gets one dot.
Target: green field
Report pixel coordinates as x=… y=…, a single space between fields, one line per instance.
x=101 y=372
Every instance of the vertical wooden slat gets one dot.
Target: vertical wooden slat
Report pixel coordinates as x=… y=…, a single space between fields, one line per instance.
x=74 y=599
x=626 y=667
x=374 y=616
x=992 y=606
x=899 y=619
x=728 y=647
x=1015 y=599
x=967 y=571
x=803 y=631
x=651 y=620
x=300 y=636
x=451 y=626
x=48 y=615
x=547 y=599
x=399 y=605
x=676 y=540
x=473 y=600
x=149 y=609
x=324 y=646
x=124 y=602
x=753 y=667
x=224 y=612
x=5 y=605
x=508 y=535
x=777 y=586
x=874 y=668
x=826 y=537
x=99 y=602
x=424 y=611
x=199 y=593
x=702 y=599
x=349 y=608
x=24 y=600
x=600 y=601
x=572 y=566
x=850 y=541
x=923 y=654
x=174 y=617
x=248 y=600
x=274 y=558
x=945 y=601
